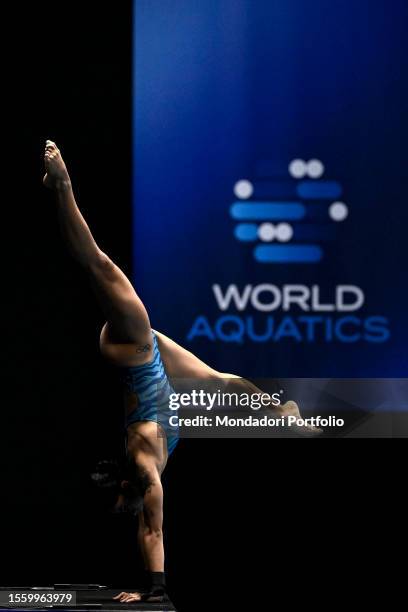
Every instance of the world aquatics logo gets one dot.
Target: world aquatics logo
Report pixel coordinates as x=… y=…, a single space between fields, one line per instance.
x=289 y=214
x=288 y=219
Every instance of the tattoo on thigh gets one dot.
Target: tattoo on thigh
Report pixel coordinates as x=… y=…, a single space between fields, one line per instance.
x=143 y=349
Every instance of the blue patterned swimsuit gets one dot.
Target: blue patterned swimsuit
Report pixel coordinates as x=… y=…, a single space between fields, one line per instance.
x=150 y=383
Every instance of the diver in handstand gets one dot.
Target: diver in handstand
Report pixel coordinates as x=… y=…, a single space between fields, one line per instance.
x=148 y=361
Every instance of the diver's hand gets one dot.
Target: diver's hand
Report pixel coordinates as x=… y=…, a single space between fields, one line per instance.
x=128 y=597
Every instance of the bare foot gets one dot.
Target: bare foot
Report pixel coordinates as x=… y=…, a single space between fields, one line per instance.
x=56 y=170
x=291 y=408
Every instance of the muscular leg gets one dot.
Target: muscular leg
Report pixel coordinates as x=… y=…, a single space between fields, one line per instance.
x=183 y=366
x=128 y=323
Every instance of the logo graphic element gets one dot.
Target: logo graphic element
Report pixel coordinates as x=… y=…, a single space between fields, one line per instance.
x=291 y=213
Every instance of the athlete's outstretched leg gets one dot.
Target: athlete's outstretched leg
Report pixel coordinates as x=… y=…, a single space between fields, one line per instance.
x=127 y=317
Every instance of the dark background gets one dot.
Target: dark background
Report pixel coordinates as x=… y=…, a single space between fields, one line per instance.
x=242 y=518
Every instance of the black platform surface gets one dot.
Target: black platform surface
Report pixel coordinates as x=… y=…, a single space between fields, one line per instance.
x=88 y=599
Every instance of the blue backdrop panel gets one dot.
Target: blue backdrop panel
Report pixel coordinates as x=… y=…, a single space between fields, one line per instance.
x=270 y=182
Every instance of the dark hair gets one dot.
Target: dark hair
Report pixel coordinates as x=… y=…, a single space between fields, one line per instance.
x=113 y=480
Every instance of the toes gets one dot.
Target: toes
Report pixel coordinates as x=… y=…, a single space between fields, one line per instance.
x=51 y=146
